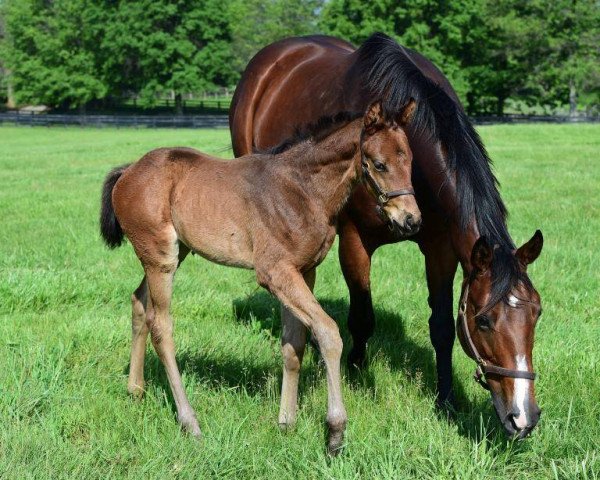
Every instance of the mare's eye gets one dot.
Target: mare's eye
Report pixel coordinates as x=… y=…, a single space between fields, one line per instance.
x=483 y=322
x=380 y=167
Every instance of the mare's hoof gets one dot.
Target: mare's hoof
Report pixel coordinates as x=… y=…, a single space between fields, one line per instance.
x=446 y=406
x=357 y=359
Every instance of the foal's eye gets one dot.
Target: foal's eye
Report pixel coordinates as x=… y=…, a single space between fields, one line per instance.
x=380 y=167
x=483 y=322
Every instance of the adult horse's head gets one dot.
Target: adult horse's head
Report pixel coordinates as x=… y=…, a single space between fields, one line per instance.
x=387 y=165
x=498 y=312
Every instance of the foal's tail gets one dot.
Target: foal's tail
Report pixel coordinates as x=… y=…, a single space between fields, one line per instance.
x=109 y=225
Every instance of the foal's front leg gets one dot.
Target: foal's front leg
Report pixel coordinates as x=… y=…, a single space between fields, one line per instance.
x=288 y=285
x=293 y=342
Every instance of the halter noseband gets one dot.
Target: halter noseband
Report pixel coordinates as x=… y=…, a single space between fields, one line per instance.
x=483 y=368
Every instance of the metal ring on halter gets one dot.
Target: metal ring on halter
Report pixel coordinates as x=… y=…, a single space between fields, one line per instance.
x=483 y=368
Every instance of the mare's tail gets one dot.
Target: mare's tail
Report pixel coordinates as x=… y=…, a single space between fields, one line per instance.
x=109 y=225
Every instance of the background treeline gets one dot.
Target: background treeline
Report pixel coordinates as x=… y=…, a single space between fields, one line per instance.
x=509 y=54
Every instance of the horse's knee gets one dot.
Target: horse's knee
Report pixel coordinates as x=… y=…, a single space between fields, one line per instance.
x=291 y=359
x=330 y=340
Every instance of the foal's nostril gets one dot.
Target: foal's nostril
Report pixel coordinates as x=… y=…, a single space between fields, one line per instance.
x=409 y=221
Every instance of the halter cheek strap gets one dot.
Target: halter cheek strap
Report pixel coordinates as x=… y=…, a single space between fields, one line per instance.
x=483 y=368
x=383 y=197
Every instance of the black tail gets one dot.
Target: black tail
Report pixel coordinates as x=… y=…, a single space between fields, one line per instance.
x=109 y=225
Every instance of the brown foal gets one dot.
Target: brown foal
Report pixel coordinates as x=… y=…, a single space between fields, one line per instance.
x=274 y=213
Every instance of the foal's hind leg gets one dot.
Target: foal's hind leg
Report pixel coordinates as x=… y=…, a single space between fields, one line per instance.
x=160 y=271
x=293 y=342
x=140 y=305
x=139 y=334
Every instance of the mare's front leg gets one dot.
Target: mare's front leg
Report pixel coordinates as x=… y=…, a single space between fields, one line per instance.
x=293 y=342
x=440 y=265
x=355 y=260
x=288 y=285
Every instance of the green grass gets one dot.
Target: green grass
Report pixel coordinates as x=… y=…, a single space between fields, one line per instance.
x=65 y=334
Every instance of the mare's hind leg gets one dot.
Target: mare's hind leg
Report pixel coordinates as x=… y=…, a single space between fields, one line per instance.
x=440 y=264
x=288 y=285
x=293 y=342
x=139 y=332
x=355 y=260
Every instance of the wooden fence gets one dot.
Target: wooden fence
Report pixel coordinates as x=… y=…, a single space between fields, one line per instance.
x=222 y=121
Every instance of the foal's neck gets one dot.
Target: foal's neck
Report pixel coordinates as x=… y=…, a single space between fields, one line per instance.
x=333 y=167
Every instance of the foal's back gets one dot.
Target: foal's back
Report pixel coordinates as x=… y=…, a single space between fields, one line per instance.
x=228 y=211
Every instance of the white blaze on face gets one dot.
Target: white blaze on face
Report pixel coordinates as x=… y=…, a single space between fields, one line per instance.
x=513 y=301
x=521 y=392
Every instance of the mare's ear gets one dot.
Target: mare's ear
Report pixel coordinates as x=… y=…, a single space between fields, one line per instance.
x=408 y=112
x=374 y=116
x=481 y=255
x=531 y=250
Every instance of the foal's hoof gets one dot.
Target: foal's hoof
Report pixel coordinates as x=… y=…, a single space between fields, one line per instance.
x=335 y=442
x=286 y=427
x=191 y=427
x=136 y=391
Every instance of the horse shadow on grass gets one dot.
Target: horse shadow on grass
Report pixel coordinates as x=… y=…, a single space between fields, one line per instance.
x=389 y=341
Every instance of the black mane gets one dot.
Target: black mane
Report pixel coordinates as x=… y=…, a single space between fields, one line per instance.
x=386 y=72
x=315 y=131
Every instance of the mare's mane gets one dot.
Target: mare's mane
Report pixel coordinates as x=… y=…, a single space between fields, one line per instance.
x=386 y=72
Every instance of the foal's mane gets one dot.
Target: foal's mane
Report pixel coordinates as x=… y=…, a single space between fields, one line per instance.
x=387 y=72
x=314 y=132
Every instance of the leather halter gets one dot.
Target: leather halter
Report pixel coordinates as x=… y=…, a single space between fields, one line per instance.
x=383 y=197
x=483 y=368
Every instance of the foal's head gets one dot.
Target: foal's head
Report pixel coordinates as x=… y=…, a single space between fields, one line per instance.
x=497 y=317
x=387 y=166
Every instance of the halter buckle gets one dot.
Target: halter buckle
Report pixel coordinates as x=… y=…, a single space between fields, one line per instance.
x=383 y=198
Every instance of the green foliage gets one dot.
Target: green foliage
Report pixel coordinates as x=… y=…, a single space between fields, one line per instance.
x=531 y=50
x=50 y=51
x=70 y=52
x=156 y=47
x=257 y=23
x=65 y=329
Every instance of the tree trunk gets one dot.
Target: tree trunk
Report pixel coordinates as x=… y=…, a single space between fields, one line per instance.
x=178 y=104
x=572 y=98
x=500 y=99
x=11 y=102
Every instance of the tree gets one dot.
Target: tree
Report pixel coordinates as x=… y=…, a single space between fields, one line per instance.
x=159 y=46
x=257 y=23
x=51 y=51
x=569 y=72
x=432 y=27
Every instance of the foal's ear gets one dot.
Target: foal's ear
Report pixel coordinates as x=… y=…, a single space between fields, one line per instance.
x=481 y=255
x=408 y=112
x=374 y=116
x=531 y=250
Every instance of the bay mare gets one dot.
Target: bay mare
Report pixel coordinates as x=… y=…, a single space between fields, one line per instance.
x=294 y=81
x=274 y=213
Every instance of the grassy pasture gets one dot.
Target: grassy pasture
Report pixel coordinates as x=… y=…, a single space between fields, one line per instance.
x=65 y=334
